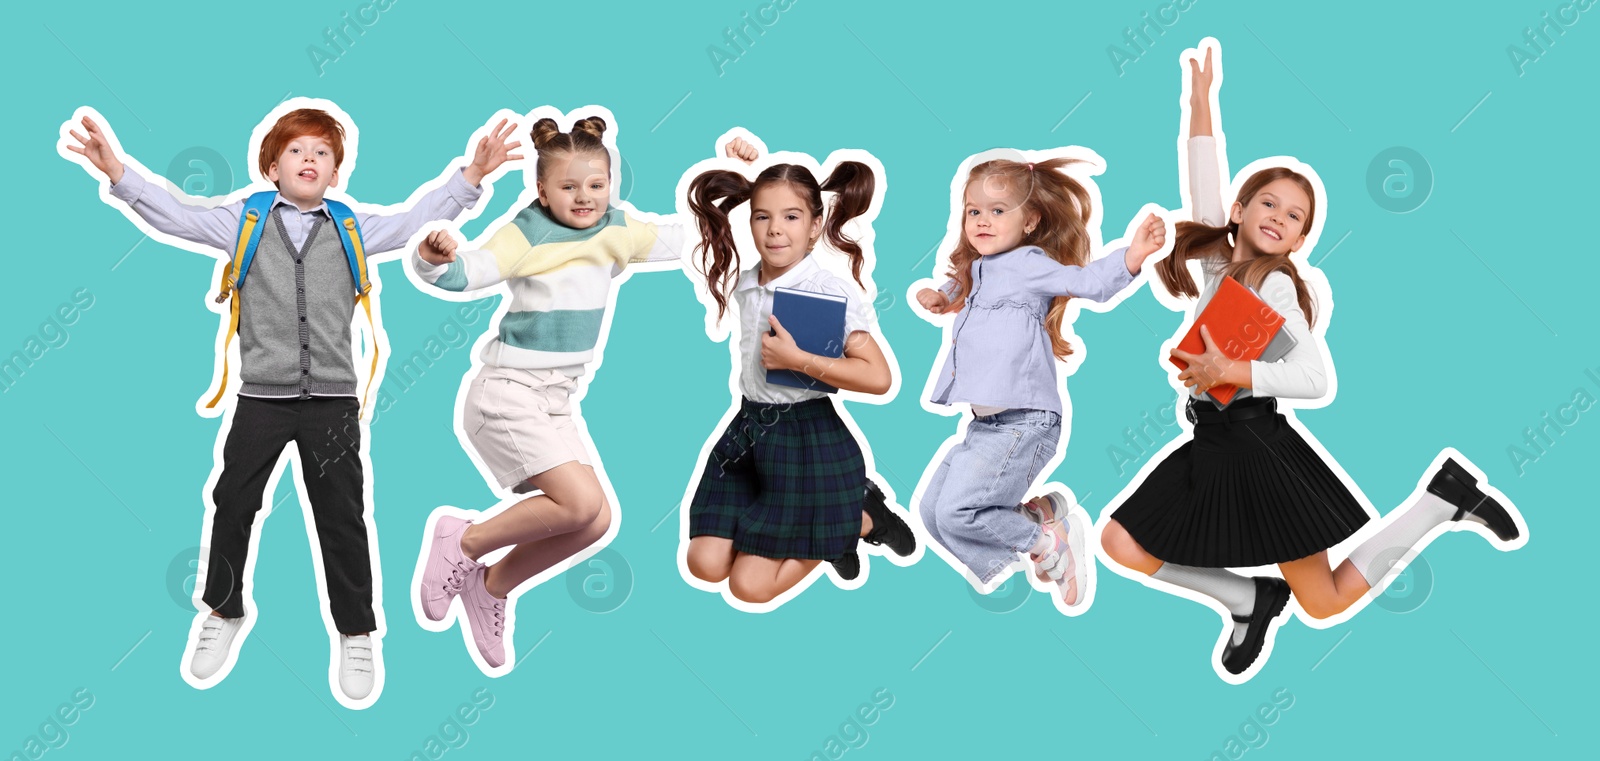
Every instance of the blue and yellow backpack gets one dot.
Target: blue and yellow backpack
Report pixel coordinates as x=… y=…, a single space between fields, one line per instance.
x=256 y=208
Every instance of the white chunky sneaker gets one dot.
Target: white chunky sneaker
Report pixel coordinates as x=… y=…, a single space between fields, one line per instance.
x=213 y=645
x=358 y=664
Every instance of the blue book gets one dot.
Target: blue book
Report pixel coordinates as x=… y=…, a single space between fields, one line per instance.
x=816 y=320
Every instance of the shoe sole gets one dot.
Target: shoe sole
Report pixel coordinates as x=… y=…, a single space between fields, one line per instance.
x=1280 y=602
x=1080 y=565
x=470 y=627
x=1492 y=512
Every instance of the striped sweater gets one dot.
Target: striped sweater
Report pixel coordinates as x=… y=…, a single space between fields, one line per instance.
x=560 y=282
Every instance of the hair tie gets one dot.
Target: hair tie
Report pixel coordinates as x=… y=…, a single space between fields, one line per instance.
x=1030 y=166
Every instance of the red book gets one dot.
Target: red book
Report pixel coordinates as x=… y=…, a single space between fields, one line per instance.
x=1242 y=326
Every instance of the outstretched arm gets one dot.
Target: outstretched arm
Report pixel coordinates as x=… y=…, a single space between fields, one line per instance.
x=439 y=263
x=1205 y=164
x=1200 y=81
x=670 y=235
x=660 y=241
x=213 y=226
x=387 y=231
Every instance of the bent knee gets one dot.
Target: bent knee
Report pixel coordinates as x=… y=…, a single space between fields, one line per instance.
x=586 y=506
x=1120 y=545
x=602 y=521
x=707 y=565
x=708 y=571
x=745 y=590
x=1321 y=611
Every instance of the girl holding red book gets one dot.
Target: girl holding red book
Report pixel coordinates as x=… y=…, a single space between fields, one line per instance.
x=1248 y=489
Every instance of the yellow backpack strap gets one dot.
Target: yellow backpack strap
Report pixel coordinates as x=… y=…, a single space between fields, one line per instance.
x=233 y=275
x=358 y=262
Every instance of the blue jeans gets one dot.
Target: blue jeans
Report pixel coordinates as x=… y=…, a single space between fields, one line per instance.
x=973 y=504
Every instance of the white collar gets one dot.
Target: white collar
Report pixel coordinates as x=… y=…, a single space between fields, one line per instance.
x=279 y=199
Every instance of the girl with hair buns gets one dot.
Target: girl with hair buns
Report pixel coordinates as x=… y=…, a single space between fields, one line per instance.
x=1248 y=489
x=558 y=258
x=1023 y=252
x=785 y=486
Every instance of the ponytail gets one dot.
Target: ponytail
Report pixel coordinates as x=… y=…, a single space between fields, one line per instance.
x=852 y=184
x=711 y=196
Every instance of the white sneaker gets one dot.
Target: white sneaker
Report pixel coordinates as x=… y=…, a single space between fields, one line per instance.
x=213 y=645
x=358 y=665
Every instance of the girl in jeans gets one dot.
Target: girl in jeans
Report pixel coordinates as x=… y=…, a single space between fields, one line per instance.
x=1023 y=253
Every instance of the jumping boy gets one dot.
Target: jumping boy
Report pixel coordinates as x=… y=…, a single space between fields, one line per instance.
x=298 y=382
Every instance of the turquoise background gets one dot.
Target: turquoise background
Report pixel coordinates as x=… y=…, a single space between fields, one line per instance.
x=1437 y=344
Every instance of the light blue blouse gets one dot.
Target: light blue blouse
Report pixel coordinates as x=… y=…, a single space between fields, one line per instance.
x=1000 y=353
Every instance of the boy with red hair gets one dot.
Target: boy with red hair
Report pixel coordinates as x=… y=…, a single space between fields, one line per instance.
x=298 y=381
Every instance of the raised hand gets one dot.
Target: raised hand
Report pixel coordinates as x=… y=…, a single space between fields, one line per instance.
x=438 y=248
x=933 y=300
x=493 y=150
x=739 y=148
x=96 y=147
x=1148 y=238
x=1200 y=81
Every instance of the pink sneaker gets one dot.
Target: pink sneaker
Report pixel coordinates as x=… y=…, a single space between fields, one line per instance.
x=447 y=568
x=486 y=617
x=1063 y=563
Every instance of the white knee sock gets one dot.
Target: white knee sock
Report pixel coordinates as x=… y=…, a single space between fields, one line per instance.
x=1376 y=556
x=1236 y=593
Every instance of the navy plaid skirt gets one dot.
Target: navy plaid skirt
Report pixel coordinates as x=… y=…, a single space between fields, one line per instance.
x=784 y=481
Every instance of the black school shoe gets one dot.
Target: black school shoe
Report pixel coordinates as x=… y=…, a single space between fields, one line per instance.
x=848 y=567
x=1455 y=485
x=1271 y=595
x=887 y=528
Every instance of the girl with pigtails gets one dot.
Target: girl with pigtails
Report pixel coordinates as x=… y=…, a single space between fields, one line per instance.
x=558 y=258
x=1248 y=489
x=785 y=486
x=1022 y=254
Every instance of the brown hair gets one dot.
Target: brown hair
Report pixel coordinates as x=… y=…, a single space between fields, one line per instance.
x=551 y=143
x=302 y=122
x=1199 y=241
x=713 y=194
x=1064 y=208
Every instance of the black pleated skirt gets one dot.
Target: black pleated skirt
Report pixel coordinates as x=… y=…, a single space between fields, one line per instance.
x=1241 y=493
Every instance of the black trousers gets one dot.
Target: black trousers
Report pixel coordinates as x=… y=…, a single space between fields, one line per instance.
x=328 y=433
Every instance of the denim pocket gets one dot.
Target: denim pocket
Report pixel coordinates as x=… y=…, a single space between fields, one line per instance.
x=1005 y=464
x=1042 y=454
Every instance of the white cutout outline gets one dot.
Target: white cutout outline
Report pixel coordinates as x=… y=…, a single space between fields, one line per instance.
x=1322 y=295
x=861 y=230
x=1090 y=166
x=528 y=196
x=226 y=408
